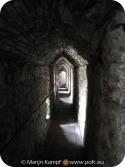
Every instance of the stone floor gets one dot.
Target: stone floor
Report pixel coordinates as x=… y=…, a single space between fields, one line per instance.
x=64 y=140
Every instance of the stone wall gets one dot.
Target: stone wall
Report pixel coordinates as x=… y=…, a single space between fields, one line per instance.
x=33 y=31
x=111 y=132
x=94 y=100
x=82 y=97
x=105 y=128
x=22 y=87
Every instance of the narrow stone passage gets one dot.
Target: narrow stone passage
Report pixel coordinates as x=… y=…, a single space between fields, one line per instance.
x=62 y=64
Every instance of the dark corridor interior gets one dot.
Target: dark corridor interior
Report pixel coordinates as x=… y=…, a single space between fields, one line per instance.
x=64 y=139
x=62 y=81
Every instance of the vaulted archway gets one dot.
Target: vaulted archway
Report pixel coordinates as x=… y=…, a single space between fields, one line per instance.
x=32 y=33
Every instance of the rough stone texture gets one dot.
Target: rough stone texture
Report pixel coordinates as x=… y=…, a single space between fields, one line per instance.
x=111 y=141
x=27 y=26
x=22 y=87
x=94 y=99
x=31 y=33
x=82 y=97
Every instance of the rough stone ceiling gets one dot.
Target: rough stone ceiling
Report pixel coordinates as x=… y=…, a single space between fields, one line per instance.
x=27 y=27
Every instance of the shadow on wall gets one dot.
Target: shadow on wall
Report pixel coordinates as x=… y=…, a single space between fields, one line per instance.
x=22 y=94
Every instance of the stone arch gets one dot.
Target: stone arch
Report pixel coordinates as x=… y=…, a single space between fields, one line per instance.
x=28 y=27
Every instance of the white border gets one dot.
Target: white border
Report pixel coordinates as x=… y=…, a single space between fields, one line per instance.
x=2 y=2
x=122 y=2
x=2 y=164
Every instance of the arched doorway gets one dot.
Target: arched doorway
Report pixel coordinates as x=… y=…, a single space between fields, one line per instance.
x=69 y=84
x=63 y=84
x=68 y=113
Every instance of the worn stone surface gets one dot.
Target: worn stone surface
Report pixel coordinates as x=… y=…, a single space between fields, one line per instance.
x=21 y=92
x=82 y=97
x=31 y=34
x=26 y=26
x=112 y=136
